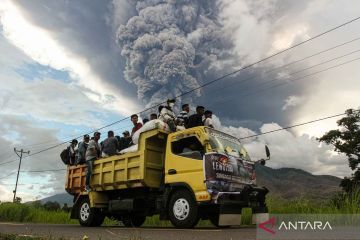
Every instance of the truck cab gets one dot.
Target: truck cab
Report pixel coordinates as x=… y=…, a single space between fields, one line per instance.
x=218 y=171
x=197 y=173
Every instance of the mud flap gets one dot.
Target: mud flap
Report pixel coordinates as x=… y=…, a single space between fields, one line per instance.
x=258 y=218
x=230 y=215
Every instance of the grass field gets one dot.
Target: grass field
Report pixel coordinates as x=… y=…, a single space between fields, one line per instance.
x=10 y=212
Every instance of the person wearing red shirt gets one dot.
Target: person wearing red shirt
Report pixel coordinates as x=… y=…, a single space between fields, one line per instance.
x=137 y=125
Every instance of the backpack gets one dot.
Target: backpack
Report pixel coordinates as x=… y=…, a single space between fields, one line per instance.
x=64 y=155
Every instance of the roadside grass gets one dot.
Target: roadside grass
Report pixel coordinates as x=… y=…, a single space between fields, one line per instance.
x=12 y=212
x=346 y=204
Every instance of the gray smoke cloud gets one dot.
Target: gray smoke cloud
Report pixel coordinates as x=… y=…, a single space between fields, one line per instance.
x=170 y=46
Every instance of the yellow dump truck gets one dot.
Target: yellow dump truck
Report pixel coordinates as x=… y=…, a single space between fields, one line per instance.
x=197 y=173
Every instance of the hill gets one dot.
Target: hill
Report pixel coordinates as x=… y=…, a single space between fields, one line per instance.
x=61 y=198
x=287 y=183
x=291 y=183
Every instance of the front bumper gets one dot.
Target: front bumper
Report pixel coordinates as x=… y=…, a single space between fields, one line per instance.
x=250 y=196
x=230 y=205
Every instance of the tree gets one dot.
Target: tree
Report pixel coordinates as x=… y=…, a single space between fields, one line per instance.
x=18 y=200
x=346 y=140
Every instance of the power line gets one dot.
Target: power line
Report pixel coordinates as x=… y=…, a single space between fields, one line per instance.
x=8 y=175
x=271 y=56
x=315 y=54
x=291 y=63
x=296 y=125
x=7 y=162
x=62 y=143
x=213 y=81
x=223 y=100
x=251 y=136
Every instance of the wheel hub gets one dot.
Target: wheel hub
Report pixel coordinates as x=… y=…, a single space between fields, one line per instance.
x=181 y=209
x=84 y=212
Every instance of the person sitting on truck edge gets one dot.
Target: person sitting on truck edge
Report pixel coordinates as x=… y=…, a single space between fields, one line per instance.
x=179 y=125
x=72 y=151
x=167 y=115
x=184 y=114
x=110 y=145
x=159 y=110
x=196 y=119
x=137 y=124
x=208 y=122
x=90 y=156
x=153 y=116
x=82 y=146
x=124 y=141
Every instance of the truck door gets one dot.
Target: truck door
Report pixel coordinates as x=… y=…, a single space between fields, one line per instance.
x=184 y=162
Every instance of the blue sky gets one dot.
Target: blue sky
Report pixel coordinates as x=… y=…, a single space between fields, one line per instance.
x=63 y=74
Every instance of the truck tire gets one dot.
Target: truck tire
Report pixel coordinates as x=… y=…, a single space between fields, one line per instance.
x=89 y=217
x=134 y=220
x=183 y=209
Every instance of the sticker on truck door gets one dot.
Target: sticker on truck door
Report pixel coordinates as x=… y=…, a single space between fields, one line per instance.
x=225 y=173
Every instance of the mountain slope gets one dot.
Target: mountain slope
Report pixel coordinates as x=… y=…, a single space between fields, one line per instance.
x=290 y=183
x=61 y=198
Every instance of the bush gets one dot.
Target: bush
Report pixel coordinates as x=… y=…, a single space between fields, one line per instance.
x=15 y=212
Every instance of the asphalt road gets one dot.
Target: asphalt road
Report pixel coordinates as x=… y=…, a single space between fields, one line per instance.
x=117 y=232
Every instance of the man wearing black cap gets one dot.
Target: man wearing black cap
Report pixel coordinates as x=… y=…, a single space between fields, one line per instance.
x=80 y=158
x=196 y=119
x=124 y=141
x=91 y=155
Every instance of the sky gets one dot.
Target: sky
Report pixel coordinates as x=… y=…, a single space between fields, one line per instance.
x=69 y=67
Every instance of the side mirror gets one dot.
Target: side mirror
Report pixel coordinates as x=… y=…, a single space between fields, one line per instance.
x=267 y=152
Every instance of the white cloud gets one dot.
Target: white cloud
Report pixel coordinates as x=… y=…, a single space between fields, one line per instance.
x=42 y=47
x=30 y=134
x=288 y=150
x=291 y=101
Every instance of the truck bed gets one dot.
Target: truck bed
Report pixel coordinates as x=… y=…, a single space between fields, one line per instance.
x=143 y=168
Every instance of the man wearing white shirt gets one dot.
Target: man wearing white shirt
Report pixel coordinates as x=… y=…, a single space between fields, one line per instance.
x=208 y=122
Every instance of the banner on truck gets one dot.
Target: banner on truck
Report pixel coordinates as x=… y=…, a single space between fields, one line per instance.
x=225 y=173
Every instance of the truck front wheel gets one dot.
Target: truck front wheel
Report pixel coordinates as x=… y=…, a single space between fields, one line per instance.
x=89 y=217
x=183 y=210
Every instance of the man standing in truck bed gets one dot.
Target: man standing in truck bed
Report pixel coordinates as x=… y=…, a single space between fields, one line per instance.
x=91 y=155
x=110 y=145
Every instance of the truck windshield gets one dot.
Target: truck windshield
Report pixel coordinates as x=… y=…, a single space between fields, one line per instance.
x=224 y=143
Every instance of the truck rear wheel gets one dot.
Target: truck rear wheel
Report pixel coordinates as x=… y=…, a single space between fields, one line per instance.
x=89 y=217
x=134 y=220
x=183 y=210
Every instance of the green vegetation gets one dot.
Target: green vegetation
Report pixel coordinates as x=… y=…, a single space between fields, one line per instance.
x=346 y=140
x=342 y=203
x=16 y=212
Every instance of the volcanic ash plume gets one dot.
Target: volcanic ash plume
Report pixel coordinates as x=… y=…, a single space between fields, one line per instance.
x=170 y=45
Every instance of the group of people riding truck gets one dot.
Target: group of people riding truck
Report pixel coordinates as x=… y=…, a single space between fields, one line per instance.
x=89 y=149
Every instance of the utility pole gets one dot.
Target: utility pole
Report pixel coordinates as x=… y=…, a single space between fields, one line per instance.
x=17 y=178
